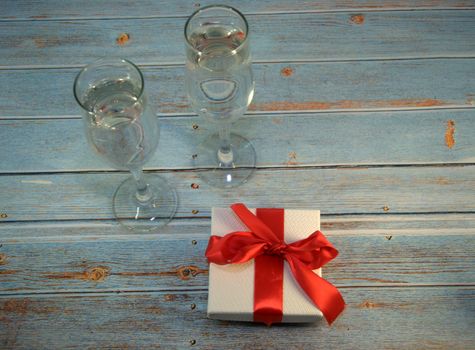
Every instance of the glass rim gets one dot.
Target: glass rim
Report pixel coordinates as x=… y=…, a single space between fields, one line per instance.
x=106 y=60
x=226 y=7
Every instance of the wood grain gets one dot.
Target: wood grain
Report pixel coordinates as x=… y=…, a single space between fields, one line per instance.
x=54 y=9
x=415 y=137
x=279 y=37
x=373 y=190
x=303 y=87
x=363 y=109
x=175 y=260
x=386 y=226
x=375 y=318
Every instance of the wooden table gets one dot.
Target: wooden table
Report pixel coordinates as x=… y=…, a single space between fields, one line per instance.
x=363 y=109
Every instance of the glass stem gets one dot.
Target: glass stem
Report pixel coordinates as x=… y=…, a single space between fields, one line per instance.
x=225 y=152
x=143 y=192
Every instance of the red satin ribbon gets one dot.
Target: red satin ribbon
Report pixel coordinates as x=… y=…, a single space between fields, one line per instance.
x=265 y=243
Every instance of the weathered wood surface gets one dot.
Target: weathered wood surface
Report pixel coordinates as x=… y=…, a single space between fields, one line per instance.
x=380 y=85
x=415 y=137
x=176 y=261
x=351 y=190
x=279 y=37
x=375 y=318
x=386 y=225
x=363 y=109
x=56 y=9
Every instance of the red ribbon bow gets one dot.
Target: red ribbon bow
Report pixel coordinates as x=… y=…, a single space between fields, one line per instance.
x=265 y=243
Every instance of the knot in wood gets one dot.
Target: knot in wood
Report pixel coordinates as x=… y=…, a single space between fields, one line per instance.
x=3 y=259
x=97 y=273
x=186 y=272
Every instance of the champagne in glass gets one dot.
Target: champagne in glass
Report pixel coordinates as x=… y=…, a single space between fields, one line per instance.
x=220 y=85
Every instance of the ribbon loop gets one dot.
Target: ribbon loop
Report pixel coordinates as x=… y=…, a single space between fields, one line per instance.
x=265 y=244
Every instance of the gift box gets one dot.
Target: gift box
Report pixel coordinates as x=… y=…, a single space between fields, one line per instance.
x=265 y=288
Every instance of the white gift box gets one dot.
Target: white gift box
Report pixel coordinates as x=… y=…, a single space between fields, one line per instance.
x=231 y=287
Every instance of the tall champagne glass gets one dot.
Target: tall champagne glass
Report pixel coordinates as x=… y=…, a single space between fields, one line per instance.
x=121 y=126
x=220 y=86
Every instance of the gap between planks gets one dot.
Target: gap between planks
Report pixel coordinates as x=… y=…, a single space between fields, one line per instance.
x=266 y=167
x=246 y=13
x=200 y=290
x=251 y=114
x=115 y=237
x=165 y=64
x=198 y=228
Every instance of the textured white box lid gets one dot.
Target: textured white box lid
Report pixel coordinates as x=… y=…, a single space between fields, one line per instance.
x=231 y=287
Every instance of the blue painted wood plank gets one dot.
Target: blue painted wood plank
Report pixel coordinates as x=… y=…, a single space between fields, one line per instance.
x=415 y=137
x=386 y=226
x=333 y=191
x=52 y=9
x=299 y=87
x=374 y=318
x=175 y=260
x=334 y=36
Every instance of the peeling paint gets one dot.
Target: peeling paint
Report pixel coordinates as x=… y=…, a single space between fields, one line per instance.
x=369 y=279
x=170 y=297
x=442 y=180
x=345 y=104
x=24 y=306
x=450 y=134
x=357 y=19
x=16 y=306
x=183 y=272
x=292 y=159
x=123 y=39
x=287 y=71
x=172 y=106
x=46 y=42
x=154 y=310
x=370 y=305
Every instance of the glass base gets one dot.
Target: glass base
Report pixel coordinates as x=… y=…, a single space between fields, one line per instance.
x=230 y=169
x=148 y=215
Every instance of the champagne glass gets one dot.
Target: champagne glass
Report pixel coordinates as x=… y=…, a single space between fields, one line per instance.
x=220 y=85
x=121 y=126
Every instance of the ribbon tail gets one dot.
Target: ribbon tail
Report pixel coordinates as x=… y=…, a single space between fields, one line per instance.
x=323 y=294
